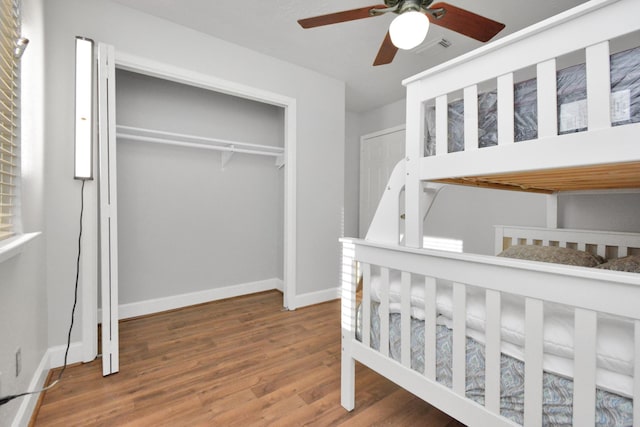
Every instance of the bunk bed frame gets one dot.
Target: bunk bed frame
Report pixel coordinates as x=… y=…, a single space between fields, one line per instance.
x=602 y=157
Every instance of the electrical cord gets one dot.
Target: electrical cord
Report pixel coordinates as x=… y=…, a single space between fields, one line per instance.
x=7 y=399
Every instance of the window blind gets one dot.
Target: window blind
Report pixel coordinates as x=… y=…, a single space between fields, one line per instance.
x=9 y=115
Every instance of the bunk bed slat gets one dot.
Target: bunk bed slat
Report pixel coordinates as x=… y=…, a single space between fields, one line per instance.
x=547 y=99
x=366 y=303
x=636 y=373
x=505 y=109
x=348 y=321
x=430 y=327
x=598 y=86
x=471 y=118
x=459 y=356
x=405 y=321
x=584 y=382
x=534 y=320
x=442 y=125
x=492 y=351
x=383 y=312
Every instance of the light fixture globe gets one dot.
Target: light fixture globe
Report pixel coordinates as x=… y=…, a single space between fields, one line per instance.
x=409 y=29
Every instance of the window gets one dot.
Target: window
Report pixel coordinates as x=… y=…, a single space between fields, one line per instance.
x=9 y=114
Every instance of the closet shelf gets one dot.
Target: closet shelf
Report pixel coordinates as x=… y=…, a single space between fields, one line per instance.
x=192 y=141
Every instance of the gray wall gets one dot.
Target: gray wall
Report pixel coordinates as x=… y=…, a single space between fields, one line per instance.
x=614 y=211
x=185 y=224
x=23 y=292
x=319 y=100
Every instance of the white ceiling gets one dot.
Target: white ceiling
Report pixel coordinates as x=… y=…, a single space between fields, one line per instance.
x=345 y=50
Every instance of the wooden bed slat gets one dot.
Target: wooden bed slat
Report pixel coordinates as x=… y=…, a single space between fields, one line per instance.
x=366 y=304
x=430 y=327
x=584 y=381
x=598 y=177
x=636 y=374
x=459 y=357
x=534 y=320
x=383 y=312
x=492 y=351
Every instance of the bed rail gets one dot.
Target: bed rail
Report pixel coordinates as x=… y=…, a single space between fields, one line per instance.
x=588 y=28
x=588 y=291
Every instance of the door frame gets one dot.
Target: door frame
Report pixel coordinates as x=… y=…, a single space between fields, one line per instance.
x=141 y=65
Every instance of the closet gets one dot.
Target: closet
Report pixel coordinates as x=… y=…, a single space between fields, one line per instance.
x=200 y=194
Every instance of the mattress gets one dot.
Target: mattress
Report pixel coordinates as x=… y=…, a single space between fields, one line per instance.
x=571 y=85
x=611 y=409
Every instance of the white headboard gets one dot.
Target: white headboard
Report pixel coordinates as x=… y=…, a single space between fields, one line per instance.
x=608 y=244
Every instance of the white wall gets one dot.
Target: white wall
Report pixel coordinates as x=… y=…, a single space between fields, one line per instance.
x=352 y=175
x=185 y=224
x=614 y=212
x=23 y=294
x=320 y=132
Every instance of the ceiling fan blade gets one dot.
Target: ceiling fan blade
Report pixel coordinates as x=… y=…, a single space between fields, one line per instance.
x=466 y=23
x=386 y=53
x=344 y=16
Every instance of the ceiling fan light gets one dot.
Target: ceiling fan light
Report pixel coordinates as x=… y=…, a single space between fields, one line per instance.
x=409 y=29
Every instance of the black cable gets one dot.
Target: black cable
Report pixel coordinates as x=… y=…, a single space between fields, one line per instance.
x=7 y=399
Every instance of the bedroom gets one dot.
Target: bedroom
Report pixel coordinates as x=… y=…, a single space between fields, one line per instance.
x=40 y=277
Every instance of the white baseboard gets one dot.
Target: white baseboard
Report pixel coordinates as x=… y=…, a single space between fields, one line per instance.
x=56 y=355
x=318 y=297
x=28 y=404
x=157 y=305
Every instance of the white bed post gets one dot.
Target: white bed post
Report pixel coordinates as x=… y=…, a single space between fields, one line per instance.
x=414 y=151
x=348 y=314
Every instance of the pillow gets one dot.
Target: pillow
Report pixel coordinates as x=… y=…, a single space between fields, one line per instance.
x=554 y=254
x=629 y=263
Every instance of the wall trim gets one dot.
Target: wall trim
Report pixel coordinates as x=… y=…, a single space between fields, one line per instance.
x=56 y=355
x=157 y=305
x=318 y=297
x=28 y=403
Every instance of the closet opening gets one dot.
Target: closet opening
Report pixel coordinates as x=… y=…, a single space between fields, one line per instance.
x=201 y=194
x=196 y=193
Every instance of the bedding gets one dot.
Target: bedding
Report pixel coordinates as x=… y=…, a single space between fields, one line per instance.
x=615 y=353
x=611 y=409
x=629 y=264
x=554 y=254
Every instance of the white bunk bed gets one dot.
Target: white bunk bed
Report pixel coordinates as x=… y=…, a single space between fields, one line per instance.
x=402 y=278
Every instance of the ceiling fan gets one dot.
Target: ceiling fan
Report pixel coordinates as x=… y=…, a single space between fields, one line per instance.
x=410 y=27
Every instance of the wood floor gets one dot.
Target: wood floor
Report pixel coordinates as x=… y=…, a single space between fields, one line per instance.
x=237 y=362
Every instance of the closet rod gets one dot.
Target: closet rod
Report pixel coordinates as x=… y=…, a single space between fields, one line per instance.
x=182 y=140
x=195 y=145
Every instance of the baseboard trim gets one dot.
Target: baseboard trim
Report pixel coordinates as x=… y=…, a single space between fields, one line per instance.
x=126 y=311
x=29 y=402
x=56 y=355
x=318 y=297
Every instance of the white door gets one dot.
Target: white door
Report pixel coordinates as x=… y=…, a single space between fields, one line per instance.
x=108 y=208
x=379 y=154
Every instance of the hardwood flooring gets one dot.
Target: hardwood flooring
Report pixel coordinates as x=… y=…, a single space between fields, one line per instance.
x=236 y=362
